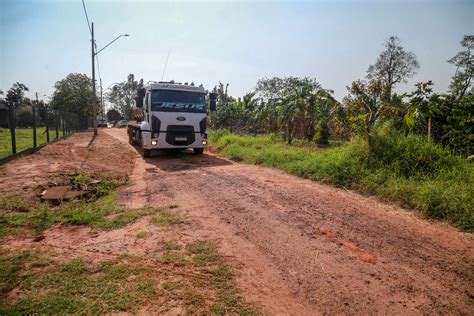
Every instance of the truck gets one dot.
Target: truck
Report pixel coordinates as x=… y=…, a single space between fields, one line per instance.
x=171 y=115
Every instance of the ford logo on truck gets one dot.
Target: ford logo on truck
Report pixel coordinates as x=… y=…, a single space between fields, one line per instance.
x=181 y=118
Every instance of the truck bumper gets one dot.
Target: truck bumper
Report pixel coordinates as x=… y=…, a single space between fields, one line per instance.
x=160 y=142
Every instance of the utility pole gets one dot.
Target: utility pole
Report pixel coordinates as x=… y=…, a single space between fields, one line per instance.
x=102 y=100
x=94 y=105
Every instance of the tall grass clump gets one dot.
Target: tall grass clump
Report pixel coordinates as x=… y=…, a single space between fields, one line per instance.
x=407 y=169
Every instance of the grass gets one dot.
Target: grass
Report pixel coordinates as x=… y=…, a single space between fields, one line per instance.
x=205 y=282
x=170 y=245
x=406 y=169
x=24 y=139
x=74 y=287
x=173 y=258
x=78 y=286
x=100 y=210
x=143 y=234
x=166 y=217
x=204 y=252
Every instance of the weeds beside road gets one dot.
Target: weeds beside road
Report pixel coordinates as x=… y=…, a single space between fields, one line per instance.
x=408 y=170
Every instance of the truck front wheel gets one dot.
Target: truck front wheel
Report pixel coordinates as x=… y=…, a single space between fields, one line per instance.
x=198 y=151
x=146 y=153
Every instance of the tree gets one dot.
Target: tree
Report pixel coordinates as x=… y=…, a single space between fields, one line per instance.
x=24 y=115
x=290 y=105
x=73 y=94
x=122 y=96
x=228 y=112
x=419 y=106
x=394 y=65
x=16 y=93
x=113 y=115
x=326 y=106
x=366 y=102
x=222 y=95
x=464 y=62
x=251 y=115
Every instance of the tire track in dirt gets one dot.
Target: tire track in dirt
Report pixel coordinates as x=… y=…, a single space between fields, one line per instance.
x=308 y=248
x=258 y=277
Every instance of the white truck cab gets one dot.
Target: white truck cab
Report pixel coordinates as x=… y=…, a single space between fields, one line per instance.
x=170 y=115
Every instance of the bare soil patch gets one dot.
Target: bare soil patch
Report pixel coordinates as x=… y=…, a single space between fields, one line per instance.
x=31 y=174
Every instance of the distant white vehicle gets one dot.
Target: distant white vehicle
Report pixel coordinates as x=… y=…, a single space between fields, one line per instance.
x=170 y=115
x=122 y=123
x=101 y=123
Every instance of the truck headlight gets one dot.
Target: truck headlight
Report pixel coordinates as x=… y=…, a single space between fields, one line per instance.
x=154 y=142
x=204 y=135
x=156 y=135
x=204 y=142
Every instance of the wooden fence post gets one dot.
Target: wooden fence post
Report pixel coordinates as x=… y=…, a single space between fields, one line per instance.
x=57 y=124
x=47 y=124
x=11 y=111
x=34 y=126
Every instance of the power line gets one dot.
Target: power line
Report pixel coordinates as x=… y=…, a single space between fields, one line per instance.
x=87 y=17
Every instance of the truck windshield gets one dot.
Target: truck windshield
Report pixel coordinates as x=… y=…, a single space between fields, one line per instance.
x=178 y=101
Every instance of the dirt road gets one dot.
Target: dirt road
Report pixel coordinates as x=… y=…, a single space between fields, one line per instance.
x=308 y=248
x=300 y=248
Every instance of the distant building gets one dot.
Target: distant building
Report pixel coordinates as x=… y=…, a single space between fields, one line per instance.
x=3 y=114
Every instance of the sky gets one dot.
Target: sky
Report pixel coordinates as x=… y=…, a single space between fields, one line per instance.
x=235 y=42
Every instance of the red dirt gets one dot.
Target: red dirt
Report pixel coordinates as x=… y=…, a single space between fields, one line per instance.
x=79 y=152
x=303 y=248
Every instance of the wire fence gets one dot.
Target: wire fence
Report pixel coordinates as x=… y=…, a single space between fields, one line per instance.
x=26 y=127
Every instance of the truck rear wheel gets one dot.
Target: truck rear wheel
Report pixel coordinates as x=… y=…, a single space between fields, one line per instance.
x=198 y=151
x=146 y=153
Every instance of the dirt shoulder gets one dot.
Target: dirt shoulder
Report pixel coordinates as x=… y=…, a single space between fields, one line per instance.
x=79 y=152
x=298 y=247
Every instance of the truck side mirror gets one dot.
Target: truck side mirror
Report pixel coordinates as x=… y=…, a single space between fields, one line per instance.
x=138 y=101
x=213 y=101
x=139 y=97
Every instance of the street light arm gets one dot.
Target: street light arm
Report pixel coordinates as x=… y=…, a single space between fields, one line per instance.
x=111 y=43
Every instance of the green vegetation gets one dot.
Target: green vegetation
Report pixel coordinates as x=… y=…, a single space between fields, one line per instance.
x=204 y=251
x=173 y=258
x=121 y=97
x=24 y=139
x=73 y=287
x=301 y=109
x=99 y=210
x=47 y=286
x=407 y=169
x=166 y=217
x=170 y=245
x=205 y=281
x=143 y=234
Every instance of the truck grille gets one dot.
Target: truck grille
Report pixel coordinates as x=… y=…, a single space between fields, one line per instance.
x=176 y=134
